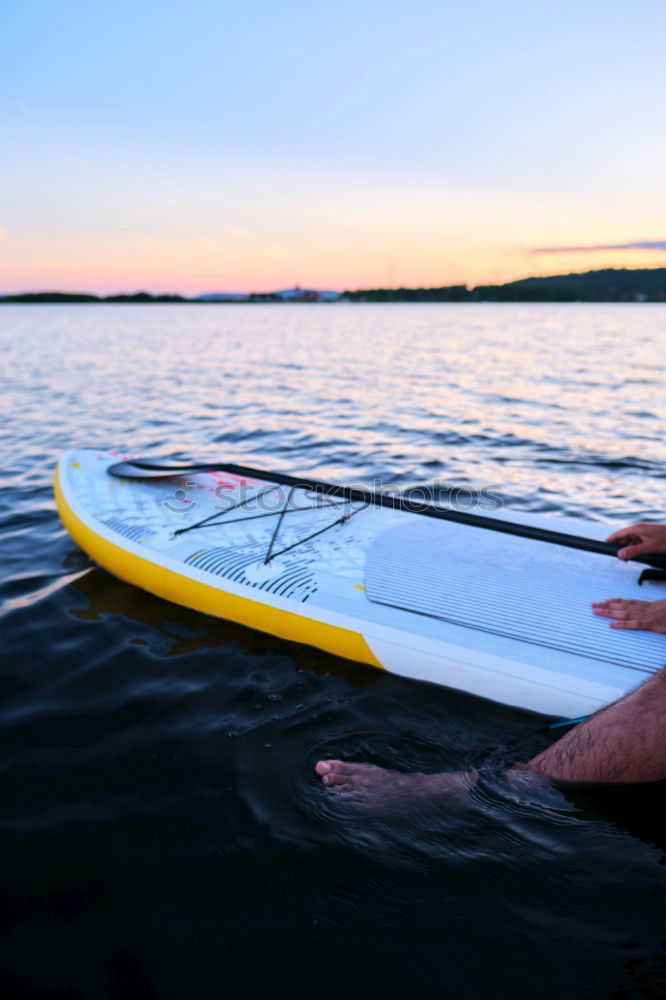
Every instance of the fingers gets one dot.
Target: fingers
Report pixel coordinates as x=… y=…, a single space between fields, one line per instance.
x=634 y=550
x=624 y=535
x=647 y=616
x=645 y=624
x=621 y=602
x=648 y=623
x=639 y=539
x=619 y=607
x=631 y=541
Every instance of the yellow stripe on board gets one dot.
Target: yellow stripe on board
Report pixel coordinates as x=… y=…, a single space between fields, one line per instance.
x=210 y=600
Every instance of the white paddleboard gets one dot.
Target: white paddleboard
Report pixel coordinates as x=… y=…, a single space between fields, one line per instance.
x=504 y=617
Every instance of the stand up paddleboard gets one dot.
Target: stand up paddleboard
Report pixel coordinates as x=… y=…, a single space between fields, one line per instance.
x=495 y=605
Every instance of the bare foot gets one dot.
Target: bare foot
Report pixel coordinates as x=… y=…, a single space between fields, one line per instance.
x=647 y=615
x=374 y=788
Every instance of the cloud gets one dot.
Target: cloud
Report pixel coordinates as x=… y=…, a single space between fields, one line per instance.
x=659 y=245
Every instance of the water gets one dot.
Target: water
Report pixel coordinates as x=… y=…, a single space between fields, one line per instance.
x=162 y=832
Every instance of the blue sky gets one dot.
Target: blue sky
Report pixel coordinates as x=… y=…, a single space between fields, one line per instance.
x=207 y=146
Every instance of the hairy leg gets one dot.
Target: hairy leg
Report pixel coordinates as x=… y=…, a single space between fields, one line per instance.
x=625 y=742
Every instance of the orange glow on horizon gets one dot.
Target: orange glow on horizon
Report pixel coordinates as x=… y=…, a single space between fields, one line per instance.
x=388 y=236
x=194 y=276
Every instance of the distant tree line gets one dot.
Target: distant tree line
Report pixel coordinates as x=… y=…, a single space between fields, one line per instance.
x=608 y=285
x=447 y=293
x=82 y=297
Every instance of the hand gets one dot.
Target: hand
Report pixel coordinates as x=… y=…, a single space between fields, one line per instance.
x=649 y=616
x=639 y=539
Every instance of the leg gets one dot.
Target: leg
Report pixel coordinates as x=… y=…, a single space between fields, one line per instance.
x=625 y=742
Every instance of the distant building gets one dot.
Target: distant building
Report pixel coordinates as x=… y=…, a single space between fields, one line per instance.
x=306 y=295
x=296 y=294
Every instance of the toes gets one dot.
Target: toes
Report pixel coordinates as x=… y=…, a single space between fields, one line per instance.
x=333 y=766
x=338 y=773
x=337 y=778
x=335 y=772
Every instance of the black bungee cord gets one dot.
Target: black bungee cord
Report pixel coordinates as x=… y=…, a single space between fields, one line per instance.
x=211 y=521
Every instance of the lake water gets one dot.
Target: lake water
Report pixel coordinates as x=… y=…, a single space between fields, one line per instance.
x=162 y=831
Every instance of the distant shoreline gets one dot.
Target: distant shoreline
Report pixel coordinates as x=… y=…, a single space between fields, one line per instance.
x=607 y=285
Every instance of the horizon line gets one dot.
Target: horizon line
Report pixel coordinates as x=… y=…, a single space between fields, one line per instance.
x=306 y=290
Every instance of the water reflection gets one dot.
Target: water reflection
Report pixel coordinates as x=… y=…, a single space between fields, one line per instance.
x=341 y=391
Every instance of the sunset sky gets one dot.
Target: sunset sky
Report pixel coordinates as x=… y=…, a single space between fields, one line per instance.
x=218 y=146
